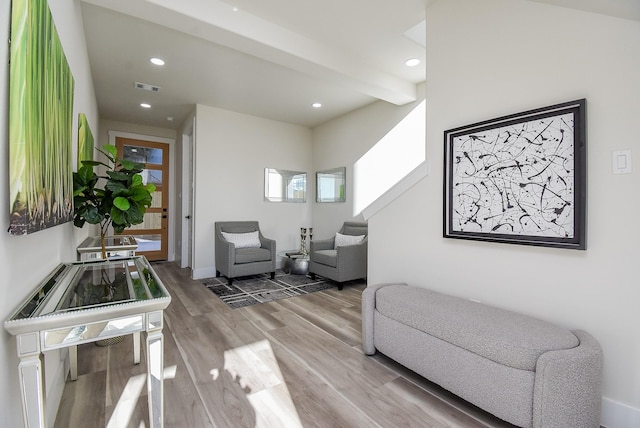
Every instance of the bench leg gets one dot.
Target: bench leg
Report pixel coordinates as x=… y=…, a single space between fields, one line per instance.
x=73 y=362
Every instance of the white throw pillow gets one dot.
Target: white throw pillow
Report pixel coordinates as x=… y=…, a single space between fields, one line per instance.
x=345 y=240
x=243 y=240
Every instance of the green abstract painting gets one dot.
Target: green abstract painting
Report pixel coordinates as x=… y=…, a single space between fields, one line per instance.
x=85 y=140
x=40 y=122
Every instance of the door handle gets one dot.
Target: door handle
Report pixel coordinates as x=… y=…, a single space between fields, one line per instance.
x=188 y=217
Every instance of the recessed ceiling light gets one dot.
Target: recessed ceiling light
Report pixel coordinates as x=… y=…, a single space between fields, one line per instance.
x=170 y=118
x=235 y=9
x=316 y=105
x=157 y=61
x=412 y=62
x=145 y=105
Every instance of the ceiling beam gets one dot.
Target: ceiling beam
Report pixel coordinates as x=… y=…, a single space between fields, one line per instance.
x=217 y=22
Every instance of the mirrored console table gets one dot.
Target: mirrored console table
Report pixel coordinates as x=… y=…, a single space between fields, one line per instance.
x=115 y=246
x=84 y=302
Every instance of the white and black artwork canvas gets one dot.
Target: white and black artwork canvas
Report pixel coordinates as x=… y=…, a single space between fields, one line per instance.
x=519 y=178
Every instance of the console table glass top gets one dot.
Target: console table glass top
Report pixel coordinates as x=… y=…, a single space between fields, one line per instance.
x=80 y=286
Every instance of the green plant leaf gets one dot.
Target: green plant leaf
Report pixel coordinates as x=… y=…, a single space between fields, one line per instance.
x=138 y=194
x=135 y=167
x=135 y=214
x=106 y=204
x=85 y=173
x=118 y=217
x=127 y=164
x=119 y=228
x=116 y=187
x=94 y=163
x=111 y=158
x=121 y=203
x=78 y=191
x=118 y=175
x=92 y=215
x=111 y=149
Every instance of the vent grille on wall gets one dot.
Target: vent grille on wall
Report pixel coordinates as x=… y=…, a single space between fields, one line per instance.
x=147 y=87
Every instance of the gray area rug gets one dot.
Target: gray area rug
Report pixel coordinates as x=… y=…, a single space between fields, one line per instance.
x=250 y=290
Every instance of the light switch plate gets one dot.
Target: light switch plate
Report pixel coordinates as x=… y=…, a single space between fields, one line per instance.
x=621 y=161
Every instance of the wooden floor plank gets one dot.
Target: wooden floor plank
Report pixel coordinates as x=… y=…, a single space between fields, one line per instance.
x=75 y=411
x=352 y=374
x=437 y=412
x=290 y=363
x=317 y=402
x=333 y=322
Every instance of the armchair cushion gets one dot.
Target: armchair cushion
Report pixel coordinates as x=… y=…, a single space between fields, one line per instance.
x=326 y=257
x=249 y=255
x=243 y=240
x=344 y=240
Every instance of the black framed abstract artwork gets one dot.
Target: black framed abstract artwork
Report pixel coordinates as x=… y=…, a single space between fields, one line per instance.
x=519 y=179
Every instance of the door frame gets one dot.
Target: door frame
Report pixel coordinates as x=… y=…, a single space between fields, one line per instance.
x=172 y=183
x=188 y=145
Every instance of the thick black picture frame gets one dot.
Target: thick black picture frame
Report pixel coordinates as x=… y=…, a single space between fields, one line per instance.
x=519 y=179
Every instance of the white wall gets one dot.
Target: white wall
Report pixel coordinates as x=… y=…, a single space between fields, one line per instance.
x=26 y=260
x=231 y=152
x=491 y=58
x=342 y=142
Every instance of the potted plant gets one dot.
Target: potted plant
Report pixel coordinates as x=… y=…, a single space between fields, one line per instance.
x=122 y=201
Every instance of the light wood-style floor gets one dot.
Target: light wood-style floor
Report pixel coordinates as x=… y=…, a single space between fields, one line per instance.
x=292 y=363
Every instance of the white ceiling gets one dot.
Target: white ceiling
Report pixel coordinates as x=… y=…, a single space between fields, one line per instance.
x=271 y=59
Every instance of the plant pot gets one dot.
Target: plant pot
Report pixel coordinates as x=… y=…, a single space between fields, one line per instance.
x=109 y=341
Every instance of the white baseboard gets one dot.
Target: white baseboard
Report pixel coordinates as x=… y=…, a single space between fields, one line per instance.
x=618 y=415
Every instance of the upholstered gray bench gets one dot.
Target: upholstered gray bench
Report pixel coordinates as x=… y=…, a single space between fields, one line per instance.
x=523 y=370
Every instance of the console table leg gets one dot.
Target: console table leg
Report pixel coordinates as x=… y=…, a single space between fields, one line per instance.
x=155 y=368
x=73 y=362
x=136 y=348
x=30 y=373
x=155 y=378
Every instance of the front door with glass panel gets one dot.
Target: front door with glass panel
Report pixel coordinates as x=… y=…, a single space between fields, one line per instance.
x=151 y=234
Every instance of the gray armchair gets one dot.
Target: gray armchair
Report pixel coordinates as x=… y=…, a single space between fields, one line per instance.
x=248 y=258
x=342 y=263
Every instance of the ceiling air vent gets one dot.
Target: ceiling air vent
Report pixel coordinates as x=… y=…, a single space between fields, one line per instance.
x=147 y=87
